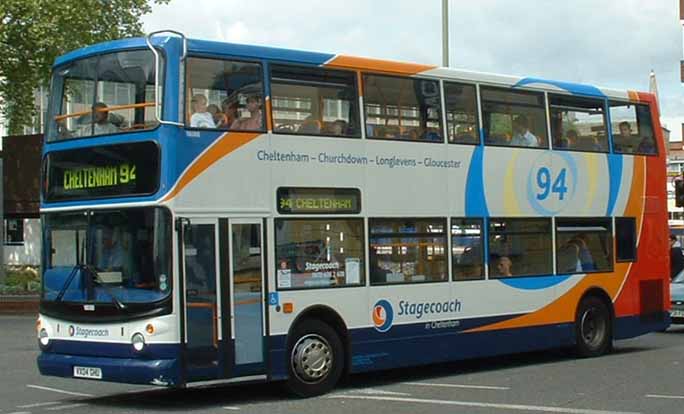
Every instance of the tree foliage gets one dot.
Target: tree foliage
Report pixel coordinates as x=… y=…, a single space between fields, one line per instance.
x=34 y=32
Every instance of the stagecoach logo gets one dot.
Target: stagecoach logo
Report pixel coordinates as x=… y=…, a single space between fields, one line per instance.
x=86 y=332
x=383 y=315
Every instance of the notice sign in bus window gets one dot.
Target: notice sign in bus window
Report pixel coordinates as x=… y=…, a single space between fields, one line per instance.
x=107 y=171
x=292 y=200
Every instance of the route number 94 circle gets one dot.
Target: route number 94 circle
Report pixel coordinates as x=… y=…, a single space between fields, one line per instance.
x=551 y=185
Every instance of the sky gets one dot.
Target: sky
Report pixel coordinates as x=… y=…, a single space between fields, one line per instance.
x=609 y=43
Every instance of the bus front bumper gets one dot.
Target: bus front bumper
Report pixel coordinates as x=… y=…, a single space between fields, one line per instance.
x=162 y=372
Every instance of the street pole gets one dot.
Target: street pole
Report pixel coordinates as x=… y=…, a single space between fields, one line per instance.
x=445 y=33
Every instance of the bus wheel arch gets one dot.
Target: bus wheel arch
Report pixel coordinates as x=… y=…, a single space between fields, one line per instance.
x=594 y=318
x=318 y=331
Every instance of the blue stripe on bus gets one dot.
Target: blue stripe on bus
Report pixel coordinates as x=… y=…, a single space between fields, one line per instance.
x=204 y=47
x=258 y=52
x=111 y=47
x=419 y=345
x=574 y=88
x=476 y=202
x=534 y=283
x=113 y=350
x=127 y=370
x=615 y=174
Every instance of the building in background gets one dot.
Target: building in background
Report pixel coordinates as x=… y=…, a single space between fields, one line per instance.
x=21 y=202
x=20 y=232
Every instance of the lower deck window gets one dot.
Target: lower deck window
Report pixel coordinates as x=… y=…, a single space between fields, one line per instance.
x=407 y=250
x=520 y=247
x=466 y=249
x=583 y=245
x=315 y=253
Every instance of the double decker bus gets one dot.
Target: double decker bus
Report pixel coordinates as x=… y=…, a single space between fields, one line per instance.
x=218 y=212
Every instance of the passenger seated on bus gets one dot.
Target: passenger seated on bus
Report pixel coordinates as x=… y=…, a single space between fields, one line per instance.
x=565 y=142
x=571 y=138
x=585 y=256
x=339 y=127
x=622 y=142
x=254 y=122
x=568 y=258
x=216 y=115
x=469 y=266
x=391 y=132
x=503 y=266
x=646 y=146
x=413 y=134
x=432 y=134
x=310 y=126
x=201 y=118
x=229 y=115
x=521 y=133
x=101 y=123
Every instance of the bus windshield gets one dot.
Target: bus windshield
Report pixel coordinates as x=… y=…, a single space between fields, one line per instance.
x=114 y=257
x=104 y=94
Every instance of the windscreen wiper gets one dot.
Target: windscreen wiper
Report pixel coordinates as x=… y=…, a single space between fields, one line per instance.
x=68 y=281
x=96 y=279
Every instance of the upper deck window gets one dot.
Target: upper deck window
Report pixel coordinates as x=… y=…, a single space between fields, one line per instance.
x=461 y=113
x=632 y=128
x=578 y=123
x=314 y=101
x=514 y=118
x=224 y=94
x=105 y=94
x=402 y=108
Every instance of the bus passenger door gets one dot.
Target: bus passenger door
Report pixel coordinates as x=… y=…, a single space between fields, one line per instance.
x=200 y=269
x=247 y=296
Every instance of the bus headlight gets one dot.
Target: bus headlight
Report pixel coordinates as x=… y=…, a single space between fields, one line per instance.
x=43 y=338
x=138 y=341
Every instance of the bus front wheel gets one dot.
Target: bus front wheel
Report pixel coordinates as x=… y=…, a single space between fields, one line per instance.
x=593 y=328
x=315 y=358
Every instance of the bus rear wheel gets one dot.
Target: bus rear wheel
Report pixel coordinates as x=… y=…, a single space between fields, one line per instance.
x=593 y=329
x=315 y=359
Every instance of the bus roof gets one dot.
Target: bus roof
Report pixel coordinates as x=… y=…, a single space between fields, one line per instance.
x=207 y=47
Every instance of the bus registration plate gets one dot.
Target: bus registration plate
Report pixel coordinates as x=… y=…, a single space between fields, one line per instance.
x=87 y=372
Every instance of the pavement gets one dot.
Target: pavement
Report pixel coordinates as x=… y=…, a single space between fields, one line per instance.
x=19 y=304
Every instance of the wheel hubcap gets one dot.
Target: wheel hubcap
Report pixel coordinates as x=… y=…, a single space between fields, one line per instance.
x=312 y=358
x=593 y=327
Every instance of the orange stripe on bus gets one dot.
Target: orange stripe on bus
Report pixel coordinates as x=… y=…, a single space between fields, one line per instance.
x=633 y=96
x=377 y=65
x=563 y=309
x=227 y=143
x=269 y=124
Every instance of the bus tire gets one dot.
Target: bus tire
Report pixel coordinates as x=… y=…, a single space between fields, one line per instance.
x=593 y=328
x=315 y=359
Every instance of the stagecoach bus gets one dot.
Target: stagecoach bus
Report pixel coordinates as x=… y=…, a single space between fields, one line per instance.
x=220 y=212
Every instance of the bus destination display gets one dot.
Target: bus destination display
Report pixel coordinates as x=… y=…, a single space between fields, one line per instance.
x=319 y=200
x=110 y=171
x=98 y=177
